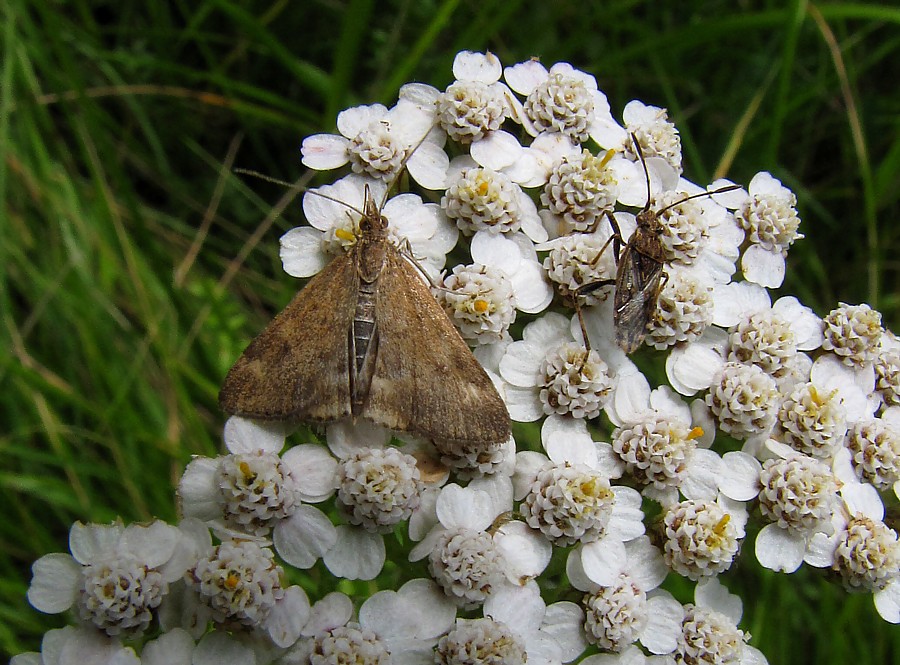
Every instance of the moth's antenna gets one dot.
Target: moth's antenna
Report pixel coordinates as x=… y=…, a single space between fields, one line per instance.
x=401 y=168
x=268 y=178
x=306 y=190
x=301 y=188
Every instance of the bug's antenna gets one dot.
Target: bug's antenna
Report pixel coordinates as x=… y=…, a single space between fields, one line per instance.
x=640 y=154
x=699 y=195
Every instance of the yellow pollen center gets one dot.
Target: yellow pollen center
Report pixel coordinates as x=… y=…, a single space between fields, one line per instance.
x=247 y=472
x=344 y=234
x=232 y=581
x=695 y=433
x=480 y=305
x=483 y=187
x=722 y=523
x=608 y=156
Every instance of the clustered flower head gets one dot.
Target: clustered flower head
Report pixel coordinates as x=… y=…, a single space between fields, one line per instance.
x=525 y=172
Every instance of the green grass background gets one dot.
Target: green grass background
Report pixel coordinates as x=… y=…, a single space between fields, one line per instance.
x=134 y=266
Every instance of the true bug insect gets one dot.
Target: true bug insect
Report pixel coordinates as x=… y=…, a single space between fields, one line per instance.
x=639 y=267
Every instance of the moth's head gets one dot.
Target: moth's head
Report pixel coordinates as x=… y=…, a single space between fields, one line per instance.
x=372 y=219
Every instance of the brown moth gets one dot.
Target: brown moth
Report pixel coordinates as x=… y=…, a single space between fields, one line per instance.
x=639 y=267
x=365 y=338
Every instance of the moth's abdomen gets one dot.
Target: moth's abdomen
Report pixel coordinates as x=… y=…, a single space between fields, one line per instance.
x=363 y=341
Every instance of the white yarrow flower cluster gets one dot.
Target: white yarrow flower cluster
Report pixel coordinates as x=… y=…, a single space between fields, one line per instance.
x=547 y=205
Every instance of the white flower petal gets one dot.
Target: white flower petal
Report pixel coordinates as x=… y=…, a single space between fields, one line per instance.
x=631 y=401
x=533 y=293
x=409 y=123
x=55 y=581
x=496 y=251
x=323 y=152
x=566 y=440
x=304 y=537
x=356 y=119
x=526 y=552
x=564 y=622
x=525 y=76
x=334 y=610
x=356 y=554
x=668 y=404
x=411 y=219
x=521 y=608
x=242 y=435
x=90 y=541
x=301 y=252
x=712 y=594
x=807 y=327
x=604 y=560
x=198 y=490
x=314 y=471
x=863 y=498
x=735 y=301
x=779 y=549
x=609 y=134
x=739 y=476
x=703 y=475
x=528 y=464
x=529 y=170
x=887 y=601
x=421 y=94
x=763 y=266
x=462 y=508
x=626 y=520
x=664 y=624
x=288 y=617
x=428 y=166
x=498 y=150
x=153 y=544
x=500 y=490
x=646 y=565
x=425 y=517
x=575 y=572
x=693 y=368
x=819 y=551
x=520 y=365
x=733 y=198
x=523 y=404
x=532 y=226
x=217 y=647
x=174 y=647
x=89 y=646
x=471 y=66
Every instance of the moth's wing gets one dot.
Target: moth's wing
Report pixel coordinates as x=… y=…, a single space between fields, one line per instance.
x=637 y=290
x=426 y=380
x=298 y=367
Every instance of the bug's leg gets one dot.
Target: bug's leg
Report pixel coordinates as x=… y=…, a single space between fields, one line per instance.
x=616 y=236
x=593 y=286
x=580 y=291
x=663 y=280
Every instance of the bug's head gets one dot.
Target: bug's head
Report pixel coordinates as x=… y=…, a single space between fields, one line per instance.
x=649 y=221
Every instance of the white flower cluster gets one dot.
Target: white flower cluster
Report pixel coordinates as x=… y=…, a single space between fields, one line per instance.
x=529 y=165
